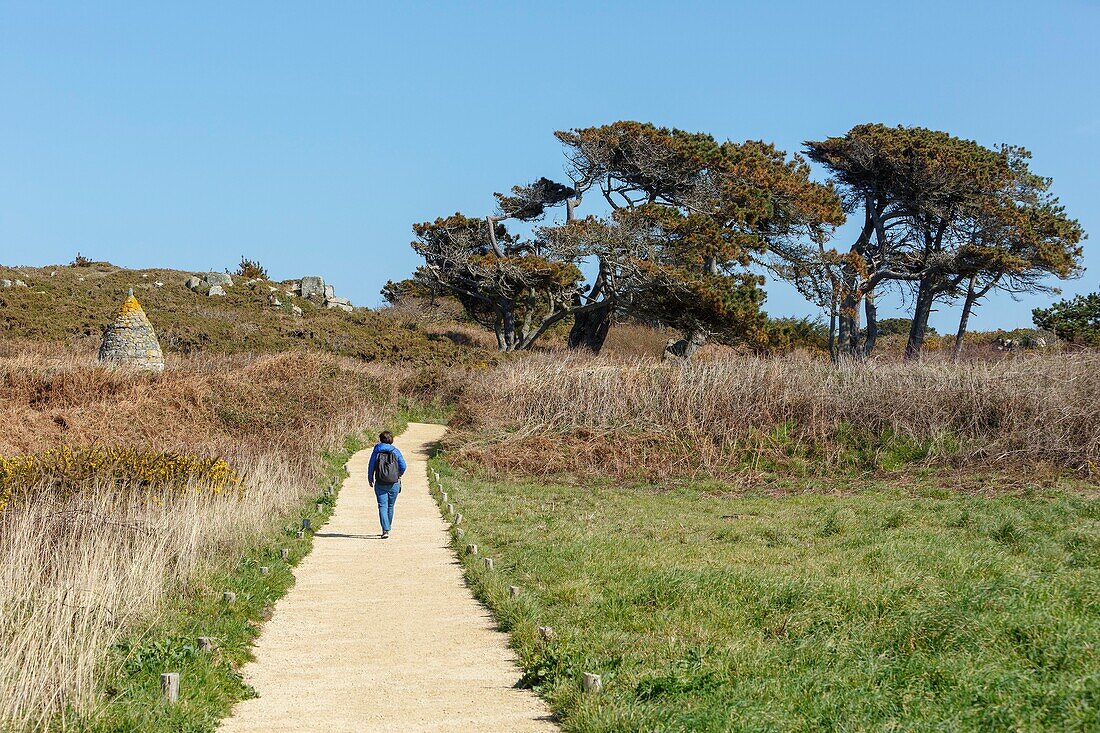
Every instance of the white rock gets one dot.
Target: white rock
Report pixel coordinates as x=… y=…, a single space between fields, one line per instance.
x=218 y=278
x=193 y=283
x=312 y=285
x=158 y=284
x=296 y=310
x=216 y=290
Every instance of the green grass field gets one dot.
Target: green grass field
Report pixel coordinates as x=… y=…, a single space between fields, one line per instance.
x=885 y=609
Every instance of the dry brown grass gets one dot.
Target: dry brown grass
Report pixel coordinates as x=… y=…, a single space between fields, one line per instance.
x=74 y=574
x=642 y=417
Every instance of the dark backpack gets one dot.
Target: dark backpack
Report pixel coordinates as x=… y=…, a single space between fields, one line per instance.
x=386 y=470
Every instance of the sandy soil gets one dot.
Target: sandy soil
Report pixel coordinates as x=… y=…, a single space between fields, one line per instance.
x=383 y=635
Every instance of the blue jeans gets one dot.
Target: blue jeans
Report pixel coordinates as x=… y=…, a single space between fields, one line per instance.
x=387 y=497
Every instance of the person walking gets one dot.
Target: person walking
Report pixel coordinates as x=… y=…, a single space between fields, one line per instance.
x=384 y=472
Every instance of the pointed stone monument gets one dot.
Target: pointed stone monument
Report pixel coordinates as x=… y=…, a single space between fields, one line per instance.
x=130 y=340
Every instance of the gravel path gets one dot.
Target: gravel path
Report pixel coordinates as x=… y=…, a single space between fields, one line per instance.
x=383 y=635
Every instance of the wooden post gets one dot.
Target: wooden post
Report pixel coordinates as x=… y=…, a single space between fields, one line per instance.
x=471 y=549
x=450 y=508
x=284 y=553
x=229 y=597
x=205 y=644
x=445 y=497
x=264 y=570
x=546 y=633
x=488 y=563
x=460 y=533
x=458 y=519
x=592 y=682
x=170 y=686
x=513 y=591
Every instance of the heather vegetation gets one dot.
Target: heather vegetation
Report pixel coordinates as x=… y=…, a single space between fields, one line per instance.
x=67 y=304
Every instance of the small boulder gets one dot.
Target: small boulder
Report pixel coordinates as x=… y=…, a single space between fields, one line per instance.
x=20 y=284
x=295 y=310
x=330 y=292
x=193 y=283
x=158 y=284
x=5 y=283
x=219 y=278
x=215 y=290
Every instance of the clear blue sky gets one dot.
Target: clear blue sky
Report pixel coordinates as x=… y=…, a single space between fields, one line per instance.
x=312 y=135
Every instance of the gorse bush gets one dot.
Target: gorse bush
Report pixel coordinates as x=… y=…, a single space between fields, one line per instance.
x=66 y=471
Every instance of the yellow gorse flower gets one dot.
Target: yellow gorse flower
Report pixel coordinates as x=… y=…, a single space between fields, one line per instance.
x=72 y=470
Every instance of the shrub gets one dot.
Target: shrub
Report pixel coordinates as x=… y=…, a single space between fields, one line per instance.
x=66 y=471
x=1076 y=320
x=251 y=269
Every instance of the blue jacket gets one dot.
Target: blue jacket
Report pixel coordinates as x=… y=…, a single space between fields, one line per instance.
x=384 y=448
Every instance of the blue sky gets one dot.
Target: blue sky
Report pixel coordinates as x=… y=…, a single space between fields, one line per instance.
x=312 y=135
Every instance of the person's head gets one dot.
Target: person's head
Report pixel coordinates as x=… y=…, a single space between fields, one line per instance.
x=386 y=437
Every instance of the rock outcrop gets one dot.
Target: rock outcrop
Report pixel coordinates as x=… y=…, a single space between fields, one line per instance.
x=130 y=340
x=312 y=287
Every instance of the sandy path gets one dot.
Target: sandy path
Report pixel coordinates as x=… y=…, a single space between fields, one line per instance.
x=383 y=635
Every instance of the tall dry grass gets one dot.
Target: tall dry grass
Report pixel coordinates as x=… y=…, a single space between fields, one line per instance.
x=75 y=574
x=567 y=414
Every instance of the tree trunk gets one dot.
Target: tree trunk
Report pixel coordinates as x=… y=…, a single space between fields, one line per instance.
x=501 y=346
x=849 y=324
x=925 y=296
x=590 y=328
x=872 y=324
x=972 y=296
x=832 y=330
x=509 y=328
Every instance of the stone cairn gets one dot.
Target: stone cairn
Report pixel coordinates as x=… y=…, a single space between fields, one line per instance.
x=130 y=340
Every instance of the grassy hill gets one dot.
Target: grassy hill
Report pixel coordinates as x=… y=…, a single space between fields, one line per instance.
x=68 y=303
